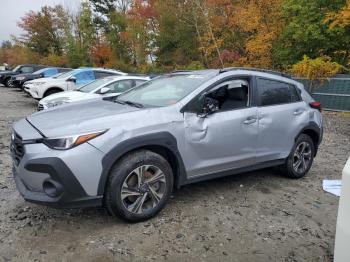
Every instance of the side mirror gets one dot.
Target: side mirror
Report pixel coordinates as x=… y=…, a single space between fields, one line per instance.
x=104 y=90
x=72 y=79
x=210 y=106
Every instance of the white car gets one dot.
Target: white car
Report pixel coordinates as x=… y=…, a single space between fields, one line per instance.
x=342 y=237
x=43 y=87
x=108 y=86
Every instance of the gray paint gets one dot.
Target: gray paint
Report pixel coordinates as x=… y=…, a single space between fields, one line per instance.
x=222 y=141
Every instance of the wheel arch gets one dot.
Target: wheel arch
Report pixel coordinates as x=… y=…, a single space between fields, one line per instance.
x=162 y=143
x=314 y=132
x=52 y=88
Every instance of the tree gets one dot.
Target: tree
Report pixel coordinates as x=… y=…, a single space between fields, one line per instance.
x=81 y=37
x=305 y=33
x=316 y=70
x=44 y=30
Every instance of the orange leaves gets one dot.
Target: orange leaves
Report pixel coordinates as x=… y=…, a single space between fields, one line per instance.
x=342 y=18
x=101 y=54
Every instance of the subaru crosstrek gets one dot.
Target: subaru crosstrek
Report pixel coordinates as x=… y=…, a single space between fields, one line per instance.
x=128 y=152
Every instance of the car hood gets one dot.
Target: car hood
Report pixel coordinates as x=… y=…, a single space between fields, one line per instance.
x=8 y=72
x=69 y=96
x=45 y=79
x=86 y=116
x=24 y=75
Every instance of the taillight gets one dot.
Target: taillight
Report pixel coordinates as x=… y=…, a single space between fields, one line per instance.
x=316 y=105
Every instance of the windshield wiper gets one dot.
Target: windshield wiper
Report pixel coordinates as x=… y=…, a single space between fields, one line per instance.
x=116 y=100
x=123 y=102
x=138 y=105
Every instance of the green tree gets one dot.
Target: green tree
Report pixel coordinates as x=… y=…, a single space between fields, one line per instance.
x=305 y=32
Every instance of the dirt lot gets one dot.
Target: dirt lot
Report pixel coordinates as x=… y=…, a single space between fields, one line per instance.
x=257 y=216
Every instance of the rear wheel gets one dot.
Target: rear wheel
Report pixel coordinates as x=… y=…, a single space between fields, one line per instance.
x=301 y=157
x=139 y=186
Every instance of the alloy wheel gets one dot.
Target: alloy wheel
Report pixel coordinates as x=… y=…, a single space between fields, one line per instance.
x=302 y=157
x=143 y=189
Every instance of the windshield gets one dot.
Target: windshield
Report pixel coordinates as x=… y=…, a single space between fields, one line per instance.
x=40 y=71
x=165 y=90
x=93 y=85
x=64 y=75
x=16 y=68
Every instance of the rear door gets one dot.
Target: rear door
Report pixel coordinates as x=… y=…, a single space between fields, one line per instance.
x=281 y=116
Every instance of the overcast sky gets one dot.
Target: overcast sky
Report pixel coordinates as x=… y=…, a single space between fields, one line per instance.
x=12 y=10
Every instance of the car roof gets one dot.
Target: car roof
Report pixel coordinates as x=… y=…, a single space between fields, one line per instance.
x=127 y=77
x=101 y=70
x=243 y=70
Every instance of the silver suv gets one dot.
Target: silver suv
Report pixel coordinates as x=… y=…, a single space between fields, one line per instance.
x=129 y=152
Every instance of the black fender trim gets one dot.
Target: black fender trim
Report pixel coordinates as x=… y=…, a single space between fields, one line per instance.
x=52 y=88
x=73 y=194
x=163 y=139
x=314 y=127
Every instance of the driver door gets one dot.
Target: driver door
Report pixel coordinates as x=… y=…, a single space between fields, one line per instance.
x=221 y=141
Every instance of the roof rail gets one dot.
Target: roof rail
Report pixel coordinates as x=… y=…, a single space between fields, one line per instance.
x=181 y=71
x=257 y=70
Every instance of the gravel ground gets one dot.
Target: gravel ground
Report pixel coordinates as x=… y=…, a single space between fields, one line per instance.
x=257 y=216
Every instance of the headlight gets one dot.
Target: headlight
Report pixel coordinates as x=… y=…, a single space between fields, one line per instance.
x=20 y=78
x=38 y=83
x=56 y=103
x=68 y=142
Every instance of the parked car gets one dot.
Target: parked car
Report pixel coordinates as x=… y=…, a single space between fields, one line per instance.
x=40 y=88
x=108 y=86
x=342 y=236
x=5 y=76
x=19 y=80
x=130 y=151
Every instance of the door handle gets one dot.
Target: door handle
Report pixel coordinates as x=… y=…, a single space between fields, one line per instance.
x=298 y=112
x=249 y=120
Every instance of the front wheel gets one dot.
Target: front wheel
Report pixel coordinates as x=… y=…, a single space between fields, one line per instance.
x=301 y=157
x=139 y=186
x=8 y=83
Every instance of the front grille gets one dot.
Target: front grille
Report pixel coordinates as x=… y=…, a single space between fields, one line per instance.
x=17 y=148
x=40 y=107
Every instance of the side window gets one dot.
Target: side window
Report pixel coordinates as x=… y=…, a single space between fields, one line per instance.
x=232 y=94
x=139 y=82
x=50 y=72
x=121 y=86
x=100 y=74
x=273 y=92
x=26 y=69
x=295 y=93
x=85 y=76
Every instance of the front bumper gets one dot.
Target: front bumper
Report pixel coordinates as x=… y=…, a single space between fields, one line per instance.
x=62 y=189
x=61 y=178
x=32 y=92
x=17 y=83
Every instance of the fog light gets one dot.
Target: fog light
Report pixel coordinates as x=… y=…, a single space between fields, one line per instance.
x=52 y=188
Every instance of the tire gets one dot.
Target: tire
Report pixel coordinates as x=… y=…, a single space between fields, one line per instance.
x=301 y=157
x=51 y=91
x=8 y=82
x=151 y=196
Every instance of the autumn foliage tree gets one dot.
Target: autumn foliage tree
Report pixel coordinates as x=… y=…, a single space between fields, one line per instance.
x=316 y=70
x=163 y=35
